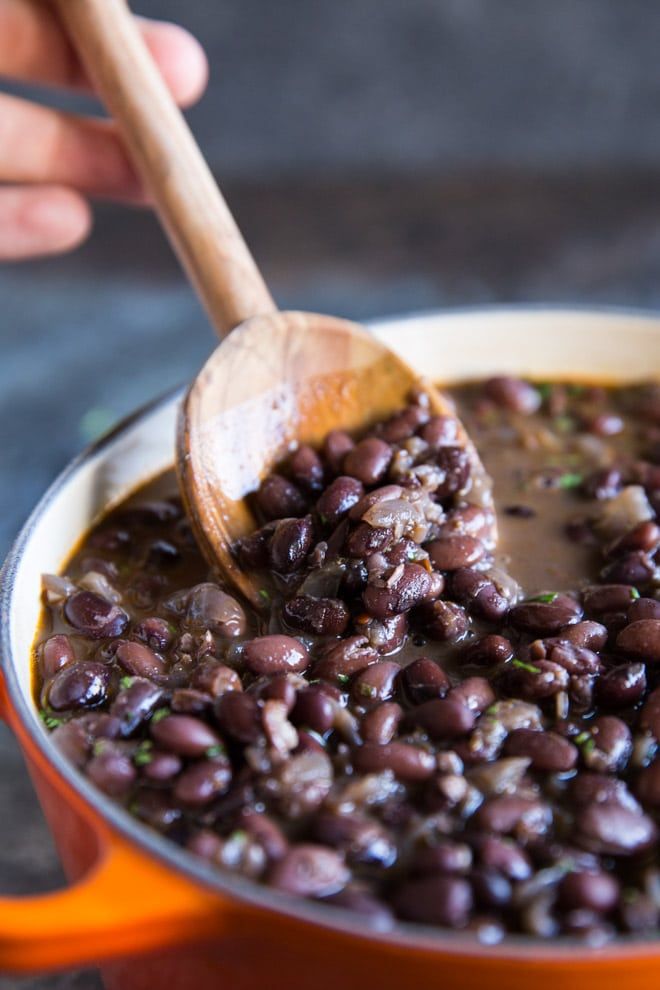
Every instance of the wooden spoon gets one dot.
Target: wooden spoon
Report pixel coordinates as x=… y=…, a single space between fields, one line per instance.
x=280 y=378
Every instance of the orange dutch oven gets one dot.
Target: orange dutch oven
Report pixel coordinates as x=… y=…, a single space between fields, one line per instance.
x=152 y=915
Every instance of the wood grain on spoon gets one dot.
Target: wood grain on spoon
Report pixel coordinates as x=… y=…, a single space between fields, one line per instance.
x=280 y=378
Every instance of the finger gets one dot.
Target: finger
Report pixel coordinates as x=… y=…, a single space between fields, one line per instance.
x=42 y=145
x=34 y=48
x=41 y=221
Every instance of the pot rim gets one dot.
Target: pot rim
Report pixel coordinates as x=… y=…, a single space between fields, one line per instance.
x=405 y=935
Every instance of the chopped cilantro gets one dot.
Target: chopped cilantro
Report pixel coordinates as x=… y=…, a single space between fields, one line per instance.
x=264 y=595
x=589 y=746
x=324 y=519
x=529 y=667
x=564 y=424
x=546 y=598
x=99 y=746
x=582 y=738
x=634 y=594
x=159 y=715
x=125 y=682
x=217 y=750
x=569 y=480
x=50 y=721
x=343 y=678
x=143 y=754
x=368 y=691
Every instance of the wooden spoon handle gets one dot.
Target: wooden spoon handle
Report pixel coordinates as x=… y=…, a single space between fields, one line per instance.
x=167 y=157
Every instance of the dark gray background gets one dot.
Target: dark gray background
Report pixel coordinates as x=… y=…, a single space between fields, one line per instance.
x=382 y=156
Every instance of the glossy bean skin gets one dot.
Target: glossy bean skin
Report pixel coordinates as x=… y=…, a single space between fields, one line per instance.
x=290 y=543
x=443 y=718
x=275 y=654
x=278 y=498
x=94 y=616
x=319 y=616
x=546 y=617
x=338 y=498
x=81 y=684
x=409 y=763
x=139 y=660
x=184 y=735
x=547 y=750
x=622 y=686
x=440 y=900
x=641 y=639
x=614 y=830
x=309 y=871
x=379 y=725
x=424 y=679
x=368 y=461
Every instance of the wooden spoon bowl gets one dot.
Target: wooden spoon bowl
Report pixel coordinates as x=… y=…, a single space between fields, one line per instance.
x=275 y=382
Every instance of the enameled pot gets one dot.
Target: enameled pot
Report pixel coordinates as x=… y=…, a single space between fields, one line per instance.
x=151 y=914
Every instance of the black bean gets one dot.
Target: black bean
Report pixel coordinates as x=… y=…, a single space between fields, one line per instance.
x=442 y=857
x=641 y=639
x=639 y=912
x=238 y=715
x=510 y=813
x=345 y=658
x=209 y=607
x=100 y=725
x=436 y=900
x=362 y=840
x=503 y=855
x=79 y=685
x=375 y=683
x=489 y=651
x=156 y=807
x=380 y=724
x=306 y=469
x=386 y=493
x=452 y=552
x=643 y=608
x=138 y=660
x=337 y=499
x=184 y=734
x=313 y=709
x=319 y=616
x=407 y=762
x=475 y=693
x=276 y=688
x=586 y=634
x=443 y=718
x=597 y=788
x=203 y=781
x=647 y=785
x=513 y=394
x=404 y=424
x=385 y=635
x=188 y=701
x=72 y=739
x=93 y=616
x=309 y=871
x=601 y=599
x=445 y=621
x=265 y=831
x=424 y=679
x=612 y=830
x=155 y=632
x=440 y=431
x=635 y=568
x=55 y=653
x=595 y=891
x=650 y=714
x=407 y=587
x=275 y=654
x=162 y=767
x=644 y=536
x=112 y=771
x=491 y=888
x=252 y=550
x=336 y=446
x=546 y=616
x=290 y=543
x=612 y=745
x=365 y=540
x=547 y=750
x=479 y=594
x=455 y=463
x=622 y=686
x=135 y=703
x=369 y=460
x=574 y=659
x=279 y=498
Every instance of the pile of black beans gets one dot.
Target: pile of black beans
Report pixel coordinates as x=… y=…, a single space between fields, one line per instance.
x=400 y=730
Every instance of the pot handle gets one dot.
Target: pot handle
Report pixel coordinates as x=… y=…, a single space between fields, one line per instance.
x=125 y=903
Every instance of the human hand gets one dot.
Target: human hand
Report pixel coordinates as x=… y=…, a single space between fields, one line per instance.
x=51 y=161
